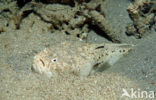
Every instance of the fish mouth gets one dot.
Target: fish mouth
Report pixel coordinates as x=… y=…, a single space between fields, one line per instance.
x=41 y=70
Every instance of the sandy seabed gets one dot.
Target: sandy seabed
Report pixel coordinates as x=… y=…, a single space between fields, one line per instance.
x=17 y=81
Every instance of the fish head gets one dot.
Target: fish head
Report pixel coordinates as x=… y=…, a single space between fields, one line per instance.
x=45 y=63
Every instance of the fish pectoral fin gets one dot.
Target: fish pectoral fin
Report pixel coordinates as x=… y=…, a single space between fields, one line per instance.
x=99 y=67
x=86 y=69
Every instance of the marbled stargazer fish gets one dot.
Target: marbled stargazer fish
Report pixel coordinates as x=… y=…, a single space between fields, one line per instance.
x=78 y=58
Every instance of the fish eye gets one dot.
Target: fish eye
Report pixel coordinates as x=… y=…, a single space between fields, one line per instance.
x=54 y=60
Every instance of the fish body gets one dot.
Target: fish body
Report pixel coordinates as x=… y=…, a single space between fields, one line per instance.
x=81 y=59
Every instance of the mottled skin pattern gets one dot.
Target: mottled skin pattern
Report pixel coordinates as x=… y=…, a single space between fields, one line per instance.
x=80 y=59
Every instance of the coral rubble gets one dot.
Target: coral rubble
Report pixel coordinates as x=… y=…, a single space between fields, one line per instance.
x=142 y=13
x=76 y=20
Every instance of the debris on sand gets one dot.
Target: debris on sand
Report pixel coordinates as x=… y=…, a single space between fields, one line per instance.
x=142 y=13
x=75 y=20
